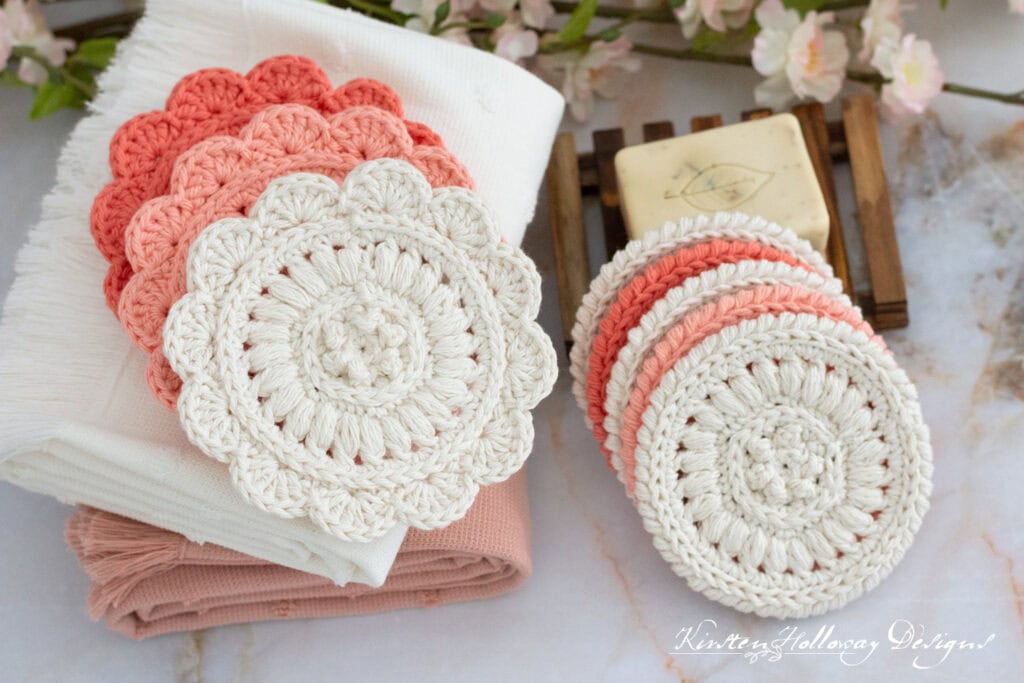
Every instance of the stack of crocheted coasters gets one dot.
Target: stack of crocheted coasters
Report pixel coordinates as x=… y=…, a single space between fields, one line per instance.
x=323 y=297
x=773 y=447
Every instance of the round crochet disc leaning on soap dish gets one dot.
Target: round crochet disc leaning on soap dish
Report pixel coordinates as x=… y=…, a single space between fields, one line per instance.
x=772 y=446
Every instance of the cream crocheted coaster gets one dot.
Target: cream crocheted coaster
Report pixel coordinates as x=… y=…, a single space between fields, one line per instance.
x=640 y=254
x=695 y=292
x=783 y=466
x=363 y=355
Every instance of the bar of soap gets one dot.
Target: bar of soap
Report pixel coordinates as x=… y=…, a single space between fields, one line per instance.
x=759 y=167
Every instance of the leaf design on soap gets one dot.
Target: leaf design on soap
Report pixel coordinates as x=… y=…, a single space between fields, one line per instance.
x=722 y=187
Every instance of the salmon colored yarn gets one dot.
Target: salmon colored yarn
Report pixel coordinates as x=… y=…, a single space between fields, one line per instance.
x=642 y=293
x=204 y=104
x=222 y=177
x=709 y=320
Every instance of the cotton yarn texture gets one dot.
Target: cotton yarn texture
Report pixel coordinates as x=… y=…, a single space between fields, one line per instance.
x=147 y=581
x=774 y=449
x=78 y=421
x=363 y=355
x=207 y=103
x=222 y=176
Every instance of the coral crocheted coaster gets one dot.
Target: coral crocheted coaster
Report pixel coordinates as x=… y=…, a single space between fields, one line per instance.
x=640 y=295
x=221 y=177
x=640 y=254
x=708 y=320
x=783 y=466
x=363 y=355
x=709 y=286
x=203 y=104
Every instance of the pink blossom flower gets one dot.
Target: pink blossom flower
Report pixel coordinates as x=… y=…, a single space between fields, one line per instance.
x=602 y=69
x=26 y=27
x=800 y=58
x=536 y=13
x=1017 y=6
x=881 y=22
x=514 y=42
x=913 y=72
x=719 y=15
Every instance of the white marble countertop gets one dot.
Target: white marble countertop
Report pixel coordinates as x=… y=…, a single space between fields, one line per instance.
x=602 y=605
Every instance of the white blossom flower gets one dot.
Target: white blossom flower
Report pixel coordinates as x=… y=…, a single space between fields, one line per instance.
x=881 y=22
x=601 y=69
x=26 y=27
x=1017 y=6
x=913 y=72
x=719 y=15
x=513 y=41
x=800 y=58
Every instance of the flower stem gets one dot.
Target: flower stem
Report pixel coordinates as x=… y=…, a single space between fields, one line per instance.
x=868 y=77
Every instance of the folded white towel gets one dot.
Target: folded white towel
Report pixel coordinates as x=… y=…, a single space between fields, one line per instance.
x=77 y=421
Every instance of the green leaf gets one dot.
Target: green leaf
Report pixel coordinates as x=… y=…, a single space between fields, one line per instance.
x=943 y=4
x=51 y=97
x=494 y=20
x=442 y=12
x=96 y=52
x=676 y=4
x=579 y=20
x=610 y=34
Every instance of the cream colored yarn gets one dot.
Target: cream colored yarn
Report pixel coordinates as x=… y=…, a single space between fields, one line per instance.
x=640 y=254
x=694 y=293
x=362 y=355
x=783 y=466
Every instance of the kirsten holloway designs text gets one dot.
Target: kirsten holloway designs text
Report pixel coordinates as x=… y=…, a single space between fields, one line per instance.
x=930 y=650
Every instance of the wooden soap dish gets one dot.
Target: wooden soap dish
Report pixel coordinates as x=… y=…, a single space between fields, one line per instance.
x=855 y=139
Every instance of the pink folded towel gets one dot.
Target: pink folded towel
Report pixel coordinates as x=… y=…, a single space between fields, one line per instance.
x=148 y=581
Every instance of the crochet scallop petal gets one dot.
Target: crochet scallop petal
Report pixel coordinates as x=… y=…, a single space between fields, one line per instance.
x=531 y=365
x=391 y=187
x=223 y=252
x=278 y=209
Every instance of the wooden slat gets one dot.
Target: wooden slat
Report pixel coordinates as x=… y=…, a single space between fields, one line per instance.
x=837 y=142
x=659 y=130
x=699 y=123
x=588 y=173
x=567 y=231
x=874 y=209
x=755 y=114
x=606 y=144
x=815 y=131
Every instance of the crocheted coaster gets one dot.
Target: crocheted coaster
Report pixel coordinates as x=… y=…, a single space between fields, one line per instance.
x=640 y=295
x=363 y=355
x=783 y=466
x=640 y=254
x=222 y=176
x=709 y=286
x=203 y=104
x=708 y=320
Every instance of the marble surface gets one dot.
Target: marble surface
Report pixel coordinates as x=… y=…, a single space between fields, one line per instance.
x=602 y=605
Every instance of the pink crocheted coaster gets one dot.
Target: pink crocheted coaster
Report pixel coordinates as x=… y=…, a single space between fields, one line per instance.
x=203 y=104
x=222 y=176
x=709 y=320
x=642 y=293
